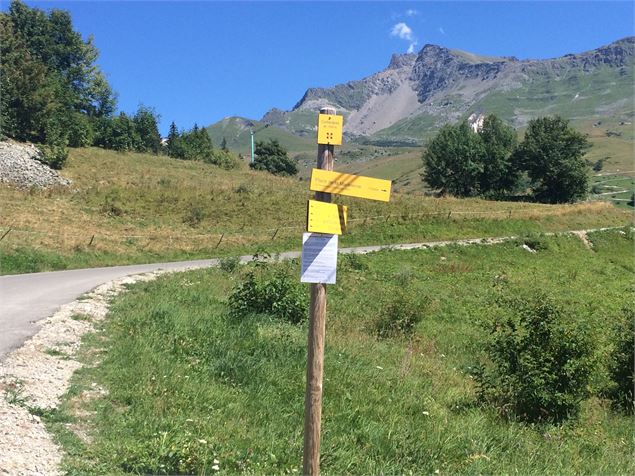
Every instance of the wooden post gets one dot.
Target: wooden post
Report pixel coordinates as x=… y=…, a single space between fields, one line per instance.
x=6 y=233
x=315 y=354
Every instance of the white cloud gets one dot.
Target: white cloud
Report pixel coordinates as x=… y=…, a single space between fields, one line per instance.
x=412 y=12
x=441 y=30
x=402 y=31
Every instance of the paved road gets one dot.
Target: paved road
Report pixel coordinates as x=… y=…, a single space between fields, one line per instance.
x=28 y=298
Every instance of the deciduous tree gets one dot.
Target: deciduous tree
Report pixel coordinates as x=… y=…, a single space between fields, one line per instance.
x=552 y=154
x=453 y=161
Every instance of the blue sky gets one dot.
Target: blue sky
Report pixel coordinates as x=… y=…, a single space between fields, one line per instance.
x=202 y=61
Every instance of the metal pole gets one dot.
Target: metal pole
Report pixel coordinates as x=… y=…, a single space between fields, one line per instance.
x=315 y=354
x=252 y=145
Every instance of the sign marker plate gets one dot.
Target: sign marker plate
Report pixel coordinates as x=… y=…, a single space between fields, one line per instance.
x=330 y=129
x=350 y=185
x=323 y=217
x=319 y=258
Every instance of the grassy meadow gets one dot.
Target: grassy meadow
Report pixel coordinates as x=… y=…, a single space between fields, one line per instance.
x=174 y=384
x=134 y=208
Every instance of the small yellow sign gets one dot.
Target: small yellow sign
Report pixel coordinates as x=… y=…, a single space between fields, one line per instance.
x=350 y=185
x=325 y=217
x=330 y=129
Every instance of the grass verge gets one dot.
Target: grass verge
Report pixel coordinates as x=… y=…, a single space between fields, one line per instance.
x=187 y=389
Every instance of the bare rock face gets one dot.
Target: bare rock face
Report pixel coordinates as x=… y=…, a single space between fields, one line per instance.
x=20 y=165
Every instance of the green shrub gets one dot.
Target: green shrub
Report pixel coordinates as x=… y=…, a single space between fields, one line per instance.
x=538 y=362
x=111 y=204
x=535 y=241
x=274 y=293
x=622 y=363
x=194 y=216
x=80 y=131
x=272 y=157
x=54 y=156
x=352 y=261
x=400 y=313
x=229 y=264
x=223 y=159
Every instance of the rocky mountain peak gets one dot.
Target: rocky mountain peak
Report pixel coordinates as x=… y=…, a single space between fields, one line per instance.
x=398 y=61
x=440 y=84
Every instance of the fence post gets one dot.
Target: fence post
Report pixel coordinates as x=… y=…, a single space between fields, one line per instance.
x=6 y=233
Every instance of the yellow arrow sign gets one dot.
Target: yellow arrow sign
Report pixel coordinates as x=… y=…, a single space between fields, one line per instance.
x=325 y=217
x=350 y=185
x=330 y=129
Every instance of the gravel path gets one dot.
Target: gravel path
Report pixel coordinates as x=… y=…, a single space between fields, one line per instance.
x=36 y=376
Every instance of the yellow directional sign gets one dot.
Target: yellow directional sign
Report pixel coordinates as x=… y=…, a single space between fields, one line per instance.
x=325 y=217
x=350 y=185
x=330 y=129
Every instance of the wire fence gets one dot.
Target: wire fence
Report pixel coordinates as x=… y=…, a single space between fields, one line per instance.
x=218 y=237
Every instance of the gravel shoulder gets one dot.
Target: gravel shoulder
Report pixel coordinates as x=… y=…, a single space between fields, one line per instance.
x=36 y=375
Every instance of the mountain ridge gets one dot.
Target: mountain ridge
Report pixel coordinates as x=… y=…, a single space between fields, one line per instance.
x=417 y=93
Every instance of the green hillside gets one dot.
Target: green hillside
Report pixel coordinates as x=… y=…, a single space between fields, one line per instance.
x=235 y=130
x=130 y=208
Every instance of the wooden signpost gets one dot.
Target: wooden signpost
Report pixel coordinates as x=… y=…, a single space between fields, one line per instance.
x=325 y=221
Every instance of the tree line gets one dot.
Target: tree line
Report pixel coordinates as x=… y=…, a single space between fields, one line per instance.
x=490 y=162
x=54 y=94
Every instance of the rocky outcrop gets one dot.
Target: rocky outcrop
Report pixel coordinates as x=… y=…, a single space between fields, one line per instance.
x=20 y=166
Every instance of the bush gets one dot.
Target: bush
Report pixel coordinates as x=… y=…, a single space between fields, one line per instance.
x=229 y=264
x=352 y=261
x=273 y=158
x=400 y=314
x=622 y=363
x=535 y=241
x=80 y=131
x=54 y=156
x=538 y=363
x=194 y=216
x=263 y=292
x=223 y=159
